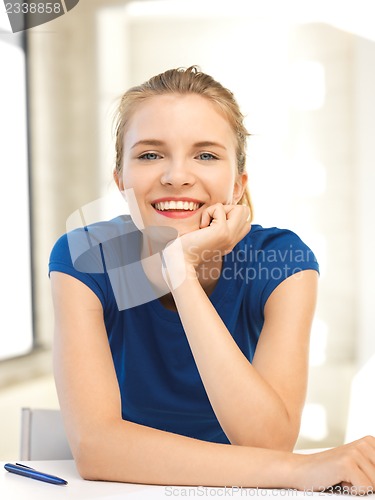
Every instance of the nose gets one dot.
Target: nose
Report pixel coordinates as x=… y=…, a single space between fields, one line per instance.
x=177 y=173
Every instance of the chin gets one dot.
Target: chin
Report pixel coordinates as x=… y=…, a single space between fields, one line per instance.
x=186 y=227
x=175 y=229
x=183 y=226
x=185 y=230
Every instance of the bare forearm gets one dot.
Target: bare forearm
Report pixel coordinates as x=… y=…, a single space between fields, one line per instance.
x=133 y=453
x=248 y=409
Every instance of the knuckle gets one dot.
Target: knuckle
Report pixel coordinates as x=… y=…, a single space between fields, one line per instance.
x=364 y=442
x=348 y=462
x=357 y=453
x=369 y=439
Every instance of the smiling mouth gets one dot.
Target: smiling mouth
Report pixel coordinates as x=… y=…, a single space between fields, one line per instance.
x=177 y=206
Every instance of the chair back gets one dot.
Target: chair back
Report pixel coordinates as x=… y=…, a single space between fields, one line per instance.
x=43 y=435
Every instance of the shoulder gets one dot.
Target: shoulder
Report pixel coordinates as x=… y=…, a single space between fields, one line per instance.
x=266 y=236
x=87 y=253
x=83 y=246
x=273 y=244
x=270 y=256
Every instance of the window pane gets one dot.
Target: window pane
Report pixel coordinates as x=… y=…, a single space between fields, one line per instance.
x=16 y=336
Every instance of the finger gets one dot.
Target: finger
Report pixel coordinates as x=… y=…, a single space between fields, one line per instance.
x=366 y=465
x=346 y=488
x=239 y=220
x=365 y=457
x=359 y=477
x=242 y=212
x=213 y=213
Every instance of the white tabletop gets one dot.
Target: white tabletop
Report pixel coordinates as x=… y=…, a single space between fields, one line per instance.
x=15 y=487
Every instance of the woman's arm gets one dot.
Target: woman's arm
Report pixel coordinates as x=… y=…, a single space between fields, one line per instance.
x=109 y=448
x=106 y=447
x=282 y=354
x=257 y=404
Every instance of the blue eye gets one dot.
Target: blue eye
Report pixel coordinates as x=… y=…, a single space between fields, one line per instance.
x=149 y=156
x=207 y=156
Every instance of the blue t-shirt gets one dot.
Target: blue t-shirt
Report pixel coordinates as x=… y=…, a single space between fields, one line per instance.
x=158 y=379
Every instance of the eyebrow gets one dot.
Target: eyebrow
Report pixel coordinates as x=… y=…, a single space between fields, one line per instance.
x=156 y=142
x=148 y=142
x=208 y=144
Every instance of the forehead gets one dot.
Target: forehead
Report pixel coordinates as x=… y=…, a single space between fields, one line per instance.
x=174 y=115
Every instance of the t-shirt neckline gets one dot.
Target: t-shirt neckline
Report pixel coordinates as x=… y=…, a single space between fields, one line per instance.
x=218 y=295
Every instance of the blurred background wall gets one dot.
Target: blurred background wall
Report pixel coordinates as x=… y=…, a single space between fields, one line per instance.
x=304 y=74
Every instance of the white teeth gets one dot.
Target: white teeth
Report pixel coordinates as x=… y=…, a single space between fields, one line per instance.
x=176 y=205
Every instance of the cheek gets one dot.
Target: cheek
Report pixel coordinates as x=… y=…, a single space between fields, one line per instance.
x=127 y=177
x=225 y=185
x=138 y=178
x=130 y=195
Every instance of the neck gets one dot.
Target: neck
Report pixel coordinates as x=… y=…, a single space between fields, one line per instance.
x=208 y=273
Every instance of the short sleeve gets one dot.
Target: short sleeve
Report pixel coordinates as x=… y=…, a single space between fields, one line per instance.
x=61 y=260
x=276 y=254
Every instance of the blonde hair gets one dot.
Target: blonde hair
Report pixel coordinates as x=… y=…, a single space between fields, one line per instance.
x=185 y=81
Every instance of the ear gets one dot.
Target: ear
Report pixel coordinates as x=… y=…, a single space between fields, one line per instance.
x=118 y=180
x=239 y=187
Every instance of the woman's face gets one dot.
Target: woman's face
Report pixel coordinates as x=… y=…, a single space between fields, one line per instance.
x=179 y=157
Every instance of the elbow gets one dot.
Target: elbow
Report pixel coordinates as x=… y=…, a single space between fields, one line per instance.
x=84 y=452
x=95 y=452
x=89 y=456
x=284 y=444
x=85 y=470
x=287 y=443
x=276 y=439
x=284 y=440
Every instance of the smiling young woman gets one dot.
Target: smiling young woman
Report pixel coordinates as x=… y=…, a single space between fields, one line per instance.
x=182 y=332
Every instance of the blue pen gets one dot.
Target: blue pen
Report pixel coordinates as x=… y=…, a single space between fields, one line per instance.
x=24 y=470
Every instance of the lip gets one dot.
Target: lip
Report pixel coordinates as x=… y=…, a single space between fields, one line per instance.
x=176 y=198
x=177 y=214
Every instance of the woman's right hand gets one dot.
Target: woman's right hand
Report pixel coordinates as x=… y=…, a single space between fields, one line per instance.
x=349 y=469
x=221 y=228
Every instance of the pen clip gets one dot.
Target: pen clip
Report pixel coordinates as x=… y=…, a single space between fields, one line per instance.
x=26 y=466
